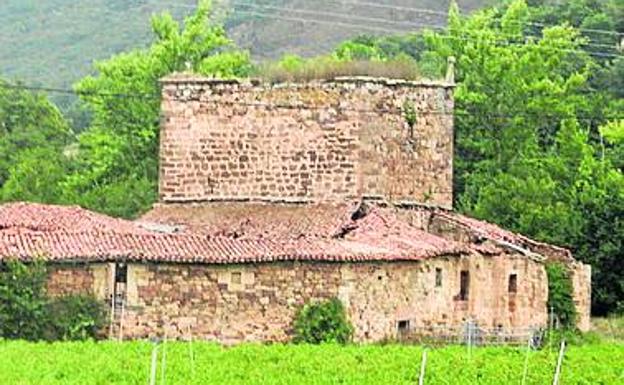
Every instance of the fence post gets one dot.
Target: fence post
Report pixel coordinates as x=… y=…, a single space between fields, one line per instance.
x=423 y=365
x=551 y=325
x=152 y=380
x=192 y=356
x=559 y=362
x=526 y=362
x=163 y=363
x=469 y=338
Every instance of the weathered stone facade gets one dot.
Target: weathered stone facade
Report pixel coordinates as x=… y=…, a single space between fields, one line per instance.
x=319 y=141
x=240 y=165
x=69 y=279
x=579 y=273
x=257 y=302
x=80 y=278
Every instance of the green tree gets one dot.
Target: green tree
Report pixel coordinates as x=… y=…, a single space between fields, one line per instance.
x=36 y=176
x=28 y=122
x=22 y=300
x=527 y=157
x=118 y=153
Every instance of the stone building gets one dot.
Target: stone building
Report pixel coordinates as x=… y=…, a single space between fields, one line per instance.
x=272 y=196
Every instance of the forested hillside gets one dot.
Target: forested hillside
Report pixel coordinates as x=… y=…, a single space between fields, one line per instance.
x=54 y=42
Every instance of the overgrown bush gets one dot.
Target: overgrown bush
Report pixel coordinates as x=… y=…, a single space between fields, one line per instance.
x=571 y=337
x=26 y=312
x=320 y=322
x=75 y=317
x=295 y=69
x=22 y=300
x=560 y=291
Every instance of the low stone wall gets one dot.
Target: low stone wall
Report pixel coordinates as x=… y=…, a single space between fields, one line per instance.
x=238 y=303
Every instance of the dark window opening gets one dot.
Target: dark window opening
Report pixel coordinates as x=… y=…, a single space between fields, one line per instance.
x=379 y=277
x=403 y=326
x=513 y=283
x=121 y=273
x=464 y=284
x=119 y=288
x=438 y=277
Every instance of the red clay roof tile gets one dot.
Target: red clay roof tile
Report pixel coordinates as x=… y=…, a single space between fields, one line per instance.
x=320 y=234
x=41 y=217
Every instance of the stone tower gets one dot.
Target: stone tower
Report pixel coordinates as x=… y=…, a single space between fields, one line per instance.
x=348 y=138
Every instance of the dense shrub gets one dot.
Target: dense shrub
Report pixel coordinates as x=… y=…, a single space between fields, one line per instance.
x=22 y=300
x=27 y=313
x=560 y=295
x=323 y=322
x=75 y=317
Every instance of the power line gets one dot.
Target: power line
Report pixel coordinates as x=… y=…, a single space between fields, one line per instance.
x=349 y=24
x=505 y=43
x=386 y=21
x=394 y=30
x=445 y=14
x=385 y=29
x=332 y=23
x=77 y=93
x=340 y=15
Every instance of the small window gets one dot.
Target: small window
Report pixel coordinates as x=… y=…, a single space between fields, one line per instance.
x=438 y=277
x=403 y=326
x=121 y=273
x=464 y=284
x=513 y=283
x=236 y=277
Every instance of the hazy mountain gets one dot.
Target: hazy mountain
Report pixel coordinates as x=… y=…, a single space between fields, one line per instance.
x=54 y=42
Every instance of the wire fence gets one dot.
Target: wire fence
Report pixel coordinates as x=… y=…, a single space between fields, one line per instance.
x=472 y=335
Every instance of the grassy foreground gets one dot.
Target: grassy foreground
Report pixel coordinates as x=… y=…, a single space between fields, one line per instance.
x=109 y=363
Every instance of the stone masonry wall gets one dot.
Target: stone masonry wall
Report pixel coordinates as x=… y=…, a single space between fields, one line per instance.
x=69 y=279
x=580 y=273
x=238 y=303
x=81 y=278
x=320 y=141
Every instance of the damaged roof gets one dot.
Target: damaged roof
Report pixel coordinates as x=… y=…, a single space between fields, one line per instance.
x=253 y=220
x=486 y=230
x=340 y=233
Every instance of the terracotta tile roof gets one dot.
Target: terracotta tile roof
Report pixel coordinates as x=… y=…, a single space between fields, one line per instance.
x=382 y=227
x=40 y=217
x=59 y=246
x=255 y=220
x=327 y=234
x=494 y=232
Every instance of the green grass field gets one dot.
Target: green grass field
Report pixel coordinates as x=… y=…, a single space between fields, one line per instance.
x=129 y=363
